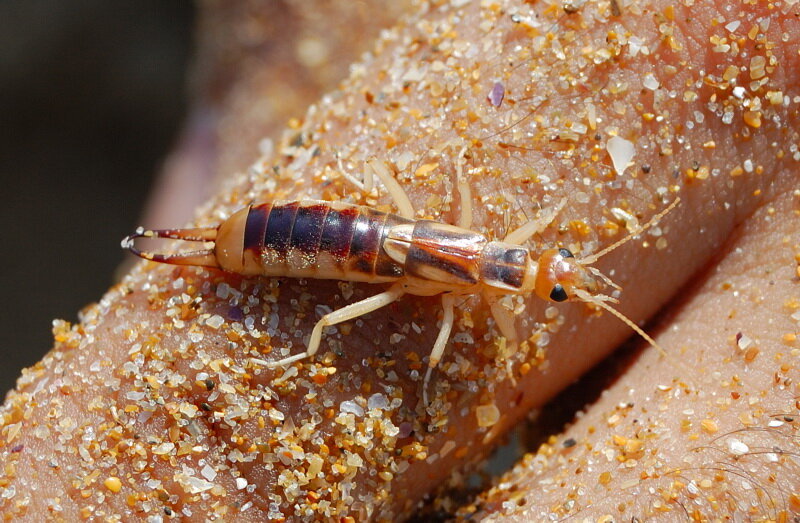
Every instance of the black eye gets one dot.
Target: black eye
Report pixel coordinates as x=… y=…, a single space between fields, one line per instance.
x=565 y=253
x=558 y=293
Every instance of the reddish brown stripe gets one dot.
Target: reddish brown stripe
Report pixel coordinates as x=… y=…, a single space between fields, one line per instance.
x=338 y=232
x=255 y=226
x=279 y=227
x=366 y=240
x=308 y=225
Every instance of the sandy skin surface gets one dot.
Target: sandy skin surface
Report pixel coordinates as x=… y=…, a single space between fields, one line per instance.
x=157 y=403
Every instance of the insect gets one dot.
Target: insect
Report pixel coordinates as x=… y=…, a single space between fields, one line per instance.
x=341 y=241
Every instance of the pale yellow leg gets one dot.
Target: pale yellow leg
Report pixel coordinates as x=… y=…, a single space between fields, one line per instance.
x=523 y=233
x=464 y=192
x=448 y=302
x=505 y=320
x=352 y=311
x=365 y=186
x=398 y=194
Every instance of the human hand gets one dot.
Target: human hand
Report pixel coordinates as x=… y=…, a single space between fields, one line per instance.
x=158 y=389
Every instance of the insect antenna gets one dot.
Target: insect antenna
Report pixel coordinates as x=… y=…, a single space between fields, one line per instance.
x=600 y=300
x=204 y=257
x=608 y=281
x=588 y=260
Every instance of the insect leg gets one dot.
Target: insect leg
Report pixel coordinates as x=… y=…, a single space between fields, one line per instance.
x=441 y=342
x=464 y=192
x=543 y=219
x=398 y=194
x=365 y=186
x=352 y=311
x=504 y=319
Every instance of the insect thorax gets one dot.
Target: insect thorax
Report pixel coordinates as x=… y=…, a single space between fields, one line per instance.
x=437 y=257
x=507 y=268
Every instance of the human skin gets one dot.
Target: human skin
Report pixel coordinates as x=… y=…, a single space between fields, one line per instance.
x=153 y=404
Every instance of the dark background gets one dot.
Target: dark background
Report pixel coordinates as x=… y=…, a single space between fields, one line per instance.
x=92 y=96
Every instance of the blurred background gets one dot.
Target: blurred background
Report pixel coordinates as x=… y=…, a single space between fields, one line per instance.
x=92 y=98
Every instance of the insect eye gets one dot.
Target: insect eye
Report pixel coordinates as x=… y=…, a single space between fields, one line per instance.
x=565 y=253
x=558 y=293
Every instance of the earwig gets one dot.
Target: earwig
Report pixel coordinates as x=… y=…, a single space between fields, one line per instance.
x=341 y=241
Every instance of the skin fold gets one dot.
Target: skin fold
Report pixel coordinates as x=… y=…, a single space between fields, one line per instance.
x=153 y=404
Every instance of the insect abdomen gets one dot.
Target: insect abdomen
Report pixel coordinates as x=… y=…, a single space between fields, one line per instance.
x=324 y=240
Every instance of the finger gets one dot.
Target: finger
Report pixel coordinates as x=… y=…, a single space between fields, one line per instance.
x=652 y=277
x=722 y=439
x=623 y=485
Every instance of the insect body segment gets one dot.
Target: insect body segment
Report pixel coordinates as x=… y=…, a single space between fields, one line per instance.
x=316 y=239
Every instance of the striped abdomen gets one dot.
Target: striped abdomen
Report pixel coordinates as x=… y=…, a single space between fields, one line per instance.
x=324 y=240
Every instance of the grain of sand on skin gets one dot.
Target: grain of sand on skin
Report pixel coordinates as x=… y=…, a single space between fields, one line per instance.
x=190 y=424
